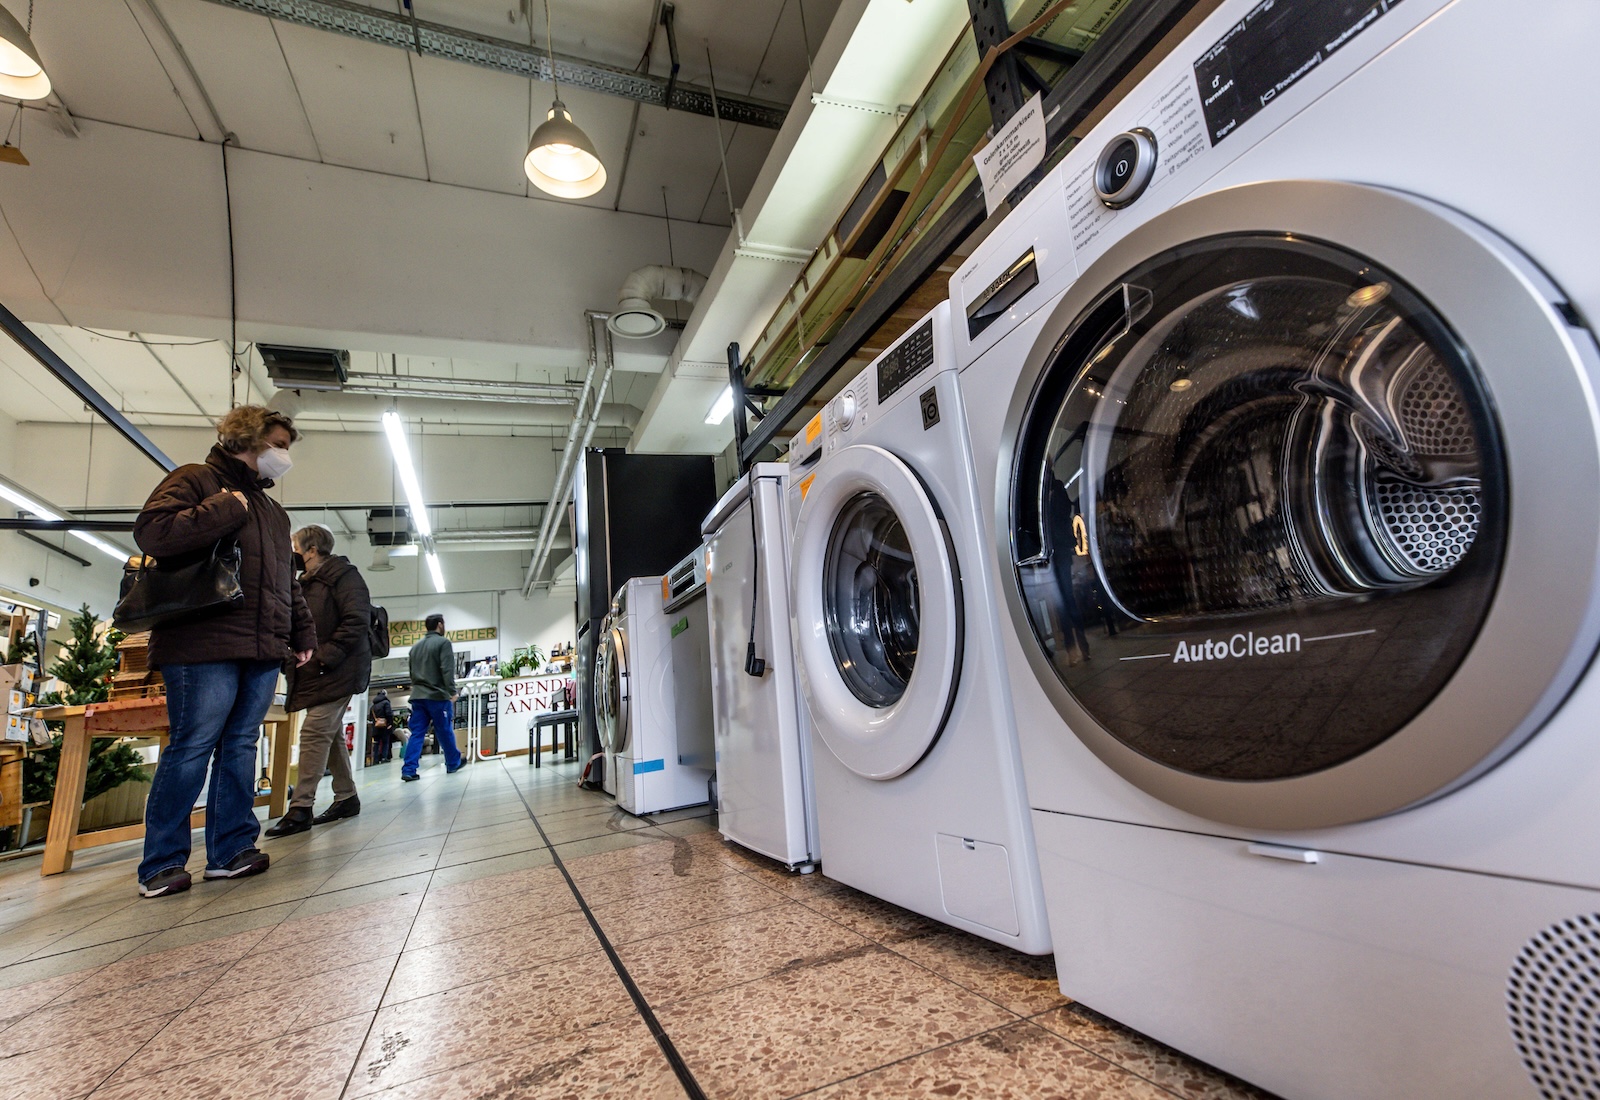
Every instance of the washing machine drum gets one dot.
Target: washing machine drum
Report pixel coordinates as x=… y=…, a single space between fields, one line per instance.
x=1260 y=516
x=611 y=690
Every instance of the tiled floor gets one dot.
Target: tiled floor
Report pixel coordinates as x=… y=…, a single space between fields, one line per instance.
x=432 y=948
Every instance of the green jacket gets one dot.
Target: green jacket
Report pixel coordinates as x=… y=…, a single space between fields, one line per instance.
x=433 y=668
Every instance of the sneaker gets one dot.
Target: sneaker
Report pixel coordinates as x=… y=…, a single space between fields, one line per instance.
x=409 y=778
x=343 y=808
x=251 y=861
x=174 y=880
x=297 y=820
x=452 y=771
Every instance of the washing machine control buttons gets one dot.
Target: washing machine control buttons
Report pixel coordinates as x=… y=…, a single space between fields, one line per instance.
x=1125 y=167
x=846 y=410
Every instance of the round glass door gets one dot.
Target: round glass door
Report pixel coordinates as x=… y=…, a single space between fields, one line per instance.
x=876 y=600
x=871 y=599
x=611 y=689
x=1259 y=507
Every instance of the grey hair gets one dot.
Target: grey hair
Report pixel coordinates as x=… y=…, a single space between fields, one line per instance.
x=315 y=537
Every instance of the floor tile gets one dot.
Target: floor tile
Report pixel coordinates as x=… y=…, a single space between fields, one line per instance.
x=188 y=933
x=212 y=1029
x=1173 y=1071
x=1026 y=984
x=73 y=962
x=464 y=960
x=877 y=920
x=449 y=890
x=330 y=900
x=308 y=1065
x=502 y=912
x=136 y=970
x=681 y=906
x=73 y=1068
x=646 y=877
x=738 y=949
x=268 y=966
x=617 y=1060
x=469 y=1023
x=82 y=1016
x=814 y=1024
x=1020 y=1062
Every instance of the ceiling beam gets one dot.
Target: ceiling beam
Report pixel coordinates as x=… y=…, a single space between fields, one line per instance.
x=437 y=40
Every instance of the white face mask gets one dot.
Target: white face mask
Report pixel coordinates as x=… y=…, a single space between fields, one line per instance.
x=273 y=463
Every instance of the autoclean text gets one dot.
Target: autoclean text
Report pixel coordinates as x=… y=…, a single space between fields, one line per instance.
x=1248 y=644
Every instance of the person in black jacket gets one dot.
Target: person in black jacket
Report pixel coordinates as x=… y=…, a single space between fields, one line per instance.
x=382 y=728
x=221 y=671
x=323 y=686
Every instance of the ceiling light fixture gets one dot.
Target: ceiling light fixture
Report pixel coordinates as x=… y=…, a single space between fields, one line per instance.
x=561 y=159
x=394 y=428
x=721 y=407
x=28 y=504
x=22 y=74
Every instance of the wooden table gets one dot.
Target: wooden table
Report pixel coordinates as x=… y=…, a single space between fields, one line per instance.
x=11 y=756
x=120 y=719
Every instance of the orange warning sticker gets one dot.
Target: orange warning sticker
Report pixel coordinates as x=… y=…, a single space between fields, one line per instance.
x=814 y=428
x=666 y=589
x=805 y=485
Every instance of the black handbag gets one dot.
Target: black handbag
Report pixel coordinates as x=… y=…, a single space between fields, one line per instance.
x=193 y=588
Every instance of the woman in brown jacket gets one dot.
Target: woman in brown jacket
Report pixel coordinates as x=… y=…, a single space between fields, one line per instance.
x=220 y=672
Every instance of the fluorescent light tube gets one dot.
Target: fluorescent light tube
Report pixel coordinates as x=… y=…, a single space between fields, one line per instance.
x=28 y=504
x=723 y=406
x=408 y=475
x=438 y=574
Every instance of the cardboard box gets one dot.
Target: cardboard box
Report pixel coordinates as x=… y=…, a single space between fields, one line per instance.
x=16 y=701
x=16 y=728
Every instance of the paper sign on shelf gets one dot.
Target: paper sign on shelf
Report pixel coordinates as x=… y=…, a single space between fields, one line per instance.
x=1015 y=151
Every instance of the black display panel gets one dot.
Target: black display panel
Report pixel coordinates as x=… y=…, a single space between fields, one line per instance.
x=1270 y=49
x=904 y=362
x=1259 y=507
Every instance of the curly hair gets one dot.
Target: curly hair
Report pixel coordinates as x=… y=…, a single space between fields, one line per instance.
x=245 y=428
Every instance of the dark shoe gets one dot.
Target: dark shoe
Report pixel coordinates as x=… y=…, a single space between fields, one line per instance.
x=251 y=861
x=409 y=778
x=297 y=820
x=452 y=771
x=343 y=808
x=174 y=880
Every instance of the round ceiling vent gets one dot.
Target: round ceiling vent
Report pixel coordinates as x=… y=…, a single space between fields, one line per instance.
x=1553 y=999
x=636 y=320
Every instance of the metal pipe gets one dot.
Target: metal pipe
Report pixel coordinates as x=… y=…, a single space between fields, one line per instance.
x=371 y=379
x=407 y=33
x=568 y=453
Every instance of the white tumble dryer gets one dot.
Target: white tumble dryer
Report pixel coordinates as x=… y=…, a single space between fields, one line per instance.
x=636 y=706
x=1284 y=397
x=919 y=788
x=763 y=733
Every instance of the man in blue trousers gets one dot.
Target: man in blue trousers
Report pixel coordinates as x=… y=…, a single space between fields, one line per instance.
x=433 y=693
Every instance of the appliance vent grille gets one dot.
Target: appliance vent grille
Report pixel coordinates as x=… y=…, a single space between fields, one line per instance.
x=1553 y=999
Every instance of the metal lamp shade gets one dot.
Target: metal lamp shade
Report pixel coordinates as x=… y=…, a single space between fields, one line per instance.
x=21 y=72
x=561 y=159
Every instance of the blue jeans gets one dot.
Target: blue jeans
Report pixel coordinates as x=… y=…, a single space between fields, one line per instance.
x=214 y=711
x=442 y=714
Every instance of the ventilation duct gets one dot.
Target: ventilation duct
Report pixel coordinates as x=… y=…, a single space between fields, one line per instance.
x=366 y=407
x=635 y=318
x=295 y=368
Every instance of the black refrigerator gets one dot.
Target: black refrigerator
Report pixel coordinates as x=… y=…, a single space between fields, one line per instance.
x=634 y=515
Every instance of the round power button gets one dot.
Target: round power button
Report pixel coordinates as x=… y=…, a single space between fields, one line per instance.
x=847 y=410
x=1125 y=167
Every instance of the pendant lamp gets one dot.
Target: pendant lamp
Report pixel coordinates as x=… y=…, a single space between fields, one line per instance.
x=21 y=73
x=561 y=159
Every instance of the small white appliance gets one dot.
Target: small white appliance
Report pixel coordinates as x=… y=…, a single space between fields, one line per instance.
x=919 y=788
x=1284 y=398
x=763 y=750
x=636 y=708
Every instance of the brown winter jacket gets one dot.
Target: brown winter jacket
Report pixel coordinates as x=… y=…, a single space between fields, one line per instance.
x=188 y=512
x=342 y=609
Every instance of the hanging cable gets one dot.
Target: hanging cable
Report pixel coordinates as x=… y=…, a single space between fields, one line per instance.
x=233 y=289
x=550 y=48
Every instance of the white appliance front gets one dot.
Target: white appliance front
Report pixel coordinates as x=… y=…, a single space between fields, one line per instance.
x=764 y=799
x=638 y=713
x=1294 y=497
x=919 y=791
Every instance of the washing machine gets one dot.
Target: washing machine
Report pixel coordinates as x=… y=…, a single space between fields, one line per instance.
x=763 y=734
x=636 y=706
x=918 y=780
x=1283 y=391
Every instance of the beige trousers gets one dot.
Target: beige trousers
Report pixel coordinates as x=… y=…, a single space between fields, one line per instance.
x=322 y=746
